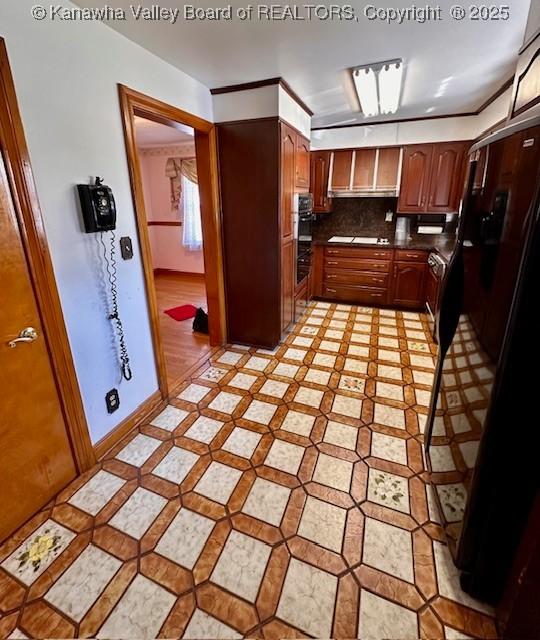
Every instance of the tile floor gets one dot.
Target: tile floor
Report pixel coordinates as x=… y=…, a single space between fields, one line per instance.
x=280 y=495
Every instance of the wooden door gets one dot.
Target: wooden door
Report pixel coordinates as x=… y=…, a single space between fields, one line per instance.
x=432 y=291
x=409 y=284
x=340 y=179
x=445 y=186
x=288 y=271
x=364 y=169
x=37 y=461
x=388 y=169
x=415 y=178
x=302 y=163
x=320 y=169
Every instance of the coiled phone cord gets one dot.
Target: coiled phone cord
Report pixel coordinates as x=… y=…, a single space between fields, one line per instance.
x=114 y=315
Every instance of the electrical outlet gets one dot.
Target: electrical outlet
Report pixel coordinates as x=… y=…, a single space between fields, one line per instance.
x=112 y=400
x=126 y=248
x=389 y=216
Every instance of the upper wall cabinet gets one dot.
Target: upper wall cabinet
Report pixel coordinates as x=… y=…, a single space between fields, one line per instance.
x=302 y=163
x=320 y=171
x=365 y=172
x=431 y=178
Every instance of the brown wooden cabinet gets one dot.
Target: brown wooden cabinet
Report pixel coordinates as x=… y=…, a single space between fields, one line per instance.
x=302 y=162
x=408 y=284
x=320 y=171
x=431 y=179
x=432 y=291
x=364 y=169
x=341 y=170
x=288 y=183
x=388 y=169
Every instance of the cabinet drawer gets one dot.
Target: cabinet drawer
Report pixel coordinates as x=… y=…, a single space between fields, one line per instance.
x=331 y=263
x=363 y=278
x=351 y=293
x=411 y=255
x=352 y=252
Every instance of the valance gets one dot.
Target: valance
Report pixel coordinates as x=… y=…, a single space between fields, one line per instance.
x=174 y=170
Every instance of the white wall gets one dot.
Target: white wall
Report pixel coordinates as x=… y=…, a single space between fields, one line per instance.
x=168 y=251
x=66 y=77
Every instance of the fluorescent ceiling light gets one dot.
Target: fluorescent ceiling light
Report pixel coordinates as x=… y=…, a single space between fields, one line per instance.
x=366 y=87
x=390 y=86
x=379 y=86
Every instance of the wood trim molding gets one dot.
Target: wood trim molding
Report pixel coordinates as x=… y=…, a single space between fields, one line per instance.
x=506 y=85
x=19 y=169
x=173 y=272
x=164 y=223
x=527 y=44
x=523 y=77
x=152 y=405
x=257 y=84
x=135 y=103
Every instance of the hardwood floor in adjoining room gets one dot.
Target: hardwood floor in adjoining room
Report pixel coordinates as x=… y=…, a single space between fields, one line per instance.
x=182 y=347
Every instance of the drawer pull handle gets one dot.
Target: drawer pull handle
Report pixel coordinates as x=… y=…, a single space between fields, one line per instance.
x=330 y=262
x=331 y=290
x=412 y=255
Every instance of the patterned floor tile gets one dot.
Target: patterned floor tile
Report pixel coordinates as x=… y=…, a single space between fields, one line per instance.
x=95 y=494
x=169 y=418
x=333 y=472
x=243 y=381
x=323 y=523
x=185 y=538
x=194 y=393
x=388 y=490
x=380 y=619
x=242 y=442
x=218 y=482
x=205 y=627
x=138 y=450
x=285 y=456
x=204 y=429
x=267 y=501
x=388 y=549
x=341 y=435
x=137 y=514
x=299 y=423
x=389 y=448
x=260 y=412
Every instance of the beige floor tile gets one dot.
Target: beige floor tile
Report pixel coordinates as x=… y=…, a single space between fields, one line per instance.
x=308 y=598
x=194 y=393
x=185 y=538
x=389 y=416
x=334 y=334
x=352 y=383
x=267 y=501
x=260 y=412
x=230 y=357
x=317 y=376
x=299 y=423
x=388 y=371
x=225 y=402
x=324 y=360
x=138 y=450
x=388 y=390
x=363 y=338
x=286 y=370
x=243 y=381
x=274 y=388
x=95 y=494
x=213 y=374
x=323 y=523
x=301 y=341
x=389 y=549
x=333 y=472
x=204 y=429
x=355 y=366
x=140 y=612
x=308 y=396
x=241 y=565
x=176 y=465
x=295 y=354
x=285 y=456
x=169 y=418
x=242 y=442
x=257 y=364
x=139 y=512
x=346 y=406
x=329 y=345
x=441 y=458
x=389 y=448
x=388 y=356
x=380 y=618
x=204 y=627
x=341 y=435
x=218 y=482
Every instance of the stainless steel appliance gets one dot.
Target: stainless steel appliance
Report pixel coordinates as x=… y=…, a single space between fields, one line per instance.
x=303 y=234
x=437 y=266
x=481 y=439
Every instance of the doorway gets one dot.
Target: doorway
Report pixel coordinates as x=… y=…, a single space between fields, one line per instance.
x=168 y=164
x=145 y=119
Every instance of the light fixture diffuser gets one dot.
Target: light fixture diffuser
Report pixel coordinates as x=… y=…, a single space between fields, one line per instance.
x=378 y=86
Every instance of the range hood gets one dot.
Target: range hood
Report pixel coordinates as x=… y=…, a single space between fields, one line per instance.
x=365 y=193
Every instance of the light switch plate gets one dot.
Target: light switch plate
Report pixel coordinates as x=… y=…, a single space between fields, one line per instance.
x=388 y=216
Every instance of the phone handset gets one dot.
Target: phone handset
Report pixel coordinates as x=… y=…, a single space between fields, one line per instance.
x=99 y=215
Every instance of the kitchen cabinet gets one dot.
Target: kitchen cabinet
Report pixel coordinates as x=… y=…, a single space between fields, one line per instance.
x=320 y=173
x=431 y=178
x=341 y=170
x=364 y=169
x=302 y=163
x=432 y=291
x=288 y=183
x=408 y=284
x=388 y=169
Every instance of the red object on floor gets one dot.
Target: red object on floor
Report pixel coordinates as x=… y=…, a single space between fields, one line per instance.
x=182 y=313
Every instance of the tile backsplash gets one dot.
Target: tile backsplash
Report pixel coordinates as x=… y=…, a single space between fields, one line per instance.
x=357 y=217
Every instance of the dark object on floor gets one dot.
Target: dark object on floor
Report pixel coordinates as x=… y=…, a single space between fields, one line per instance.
x=200 y=324
x=183 y=312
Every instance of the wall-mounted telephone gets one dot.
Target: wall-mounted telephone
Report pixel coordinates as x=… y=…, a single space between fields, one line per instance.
x=98 y=206
x=99 y=215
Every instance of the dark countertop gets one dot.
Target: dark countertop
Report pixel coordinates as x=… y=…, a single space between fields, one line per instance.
x=444 y=243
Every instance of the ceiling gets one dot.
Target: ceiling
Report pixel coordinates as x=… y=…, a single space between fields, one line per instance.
x=450 y=66
x=151 y=134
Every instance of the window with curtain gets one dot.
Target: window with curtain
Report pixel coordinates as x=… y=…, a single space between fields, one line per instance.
x=192 y=237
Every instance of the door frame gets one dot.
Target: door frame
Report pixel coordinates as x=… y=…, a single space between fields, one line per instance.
x=134 y=103
x=33 y=237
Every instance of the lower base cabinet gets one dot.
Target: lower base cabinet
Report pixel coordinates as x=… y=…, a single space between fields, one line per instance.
x=374 y=277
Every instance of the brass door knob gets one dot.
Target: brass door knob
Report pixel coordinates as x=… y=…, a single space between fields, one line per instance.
x=26 y=335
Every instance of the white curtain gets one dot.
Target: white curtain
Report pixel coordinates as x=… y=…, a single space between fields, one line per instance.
x=192 y=215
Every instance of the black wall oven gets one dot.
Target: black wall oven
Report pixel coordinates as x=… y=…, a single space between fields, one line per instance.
x=304 y=235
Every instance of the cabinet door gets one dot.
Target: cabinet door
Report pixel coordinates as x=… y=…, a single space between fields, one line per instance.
x=287 y=284
x=415 y=178
x=288 y=144
x=409 y=284
x=388 y=169
x=364 y=169
x=302 y=163
x=341 y=171
x=445 y=182
x=320 y=168
x=432 y=291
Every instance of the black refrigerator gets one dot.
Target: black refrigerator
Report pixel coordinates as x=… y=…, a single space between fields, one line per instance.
x=482 y=437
